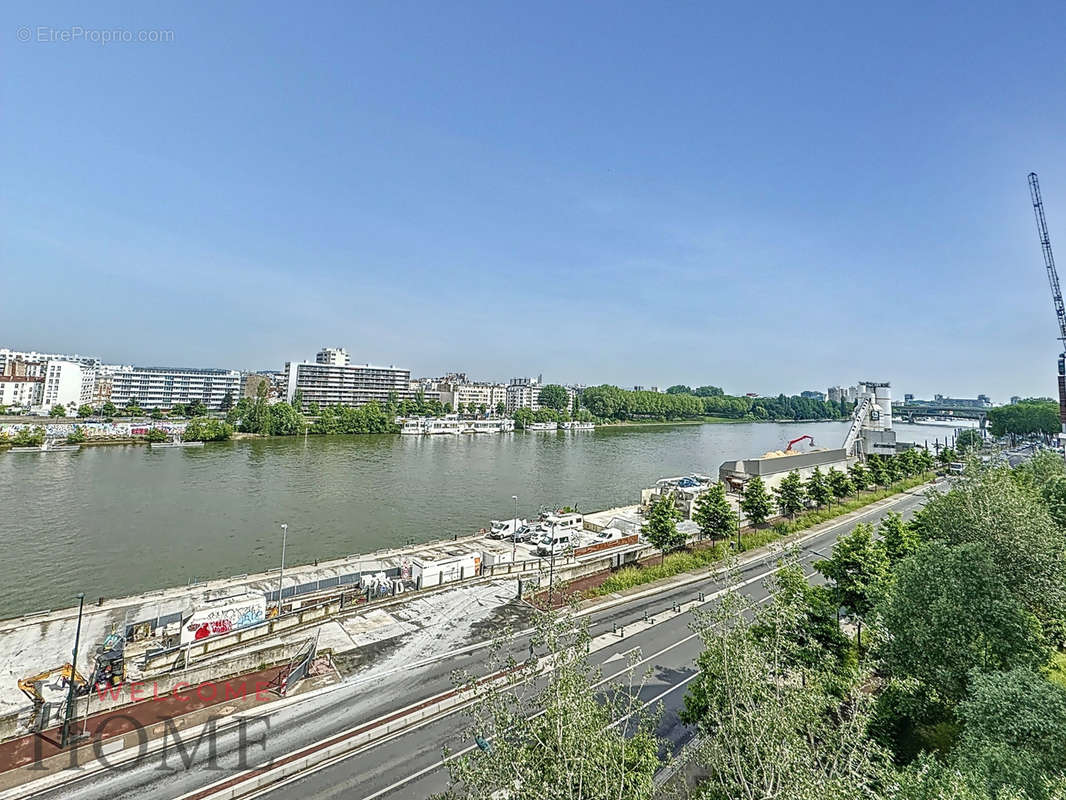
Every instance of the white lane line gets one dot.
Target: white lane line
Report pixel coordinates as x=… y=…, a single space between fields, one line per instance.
x=443 y=762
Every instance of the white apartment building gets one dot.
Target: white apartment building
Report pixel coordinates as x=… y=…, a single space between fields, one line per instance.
x=345 y=384
x=165 y=387
x=525 y=393
x=21 y=391
x=38 y=360
x=480 y=394
x=334 y=356
x=68 y=383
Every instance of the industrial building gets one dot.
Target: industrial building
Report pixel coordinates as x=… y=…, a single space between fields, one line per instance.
x=870 y=432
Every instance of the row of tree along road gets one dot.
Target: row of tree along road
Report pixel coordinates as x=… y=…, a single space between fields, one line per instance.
x=928 y=665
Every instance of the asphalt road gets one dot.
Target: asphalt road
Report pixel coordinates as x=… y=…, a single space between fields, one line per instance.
x=409 y=765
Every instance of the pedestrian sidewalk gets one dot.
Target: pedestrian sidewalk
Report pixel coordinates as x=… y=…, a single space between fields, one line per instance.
x=37 y=755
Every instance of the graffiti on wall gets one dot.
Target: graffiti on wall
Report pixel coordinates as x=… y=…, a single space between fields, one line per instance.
x=97 y=430
x=215 y=621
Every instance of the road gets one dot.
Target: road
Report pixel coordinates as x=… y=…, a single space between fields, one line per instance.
x=409 y=765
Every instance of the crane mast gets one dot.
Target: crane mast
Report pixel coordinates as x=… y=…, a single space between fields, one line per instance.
x=1056 y=290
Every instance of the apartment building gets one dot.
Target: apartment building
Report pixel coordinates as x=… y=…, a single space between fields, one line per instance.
x=525 y=393
x=165 y=387
x=21 y=391
x=479 y=394
x=330 y=384
x=67 y=383
x=334 y=356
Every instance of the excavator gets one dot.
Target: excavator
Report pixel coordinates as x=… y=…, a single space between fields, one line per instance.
x=31 y=686
x=797 y=440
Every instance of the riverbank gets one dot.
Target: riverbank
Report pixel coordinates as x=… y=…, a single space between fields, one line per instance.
x=117 y=520
x=701 y=554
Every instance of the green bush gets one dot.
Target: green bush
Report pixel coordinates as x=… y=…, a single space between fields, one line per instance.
x=77 y=437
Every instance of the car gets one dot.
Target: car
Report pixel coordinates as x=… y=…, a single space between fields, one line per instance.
x=527 y=533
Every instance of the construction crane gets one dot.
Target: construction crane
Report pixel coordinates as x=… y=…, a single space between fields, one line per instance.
x=797 y=440
x=1056 y=291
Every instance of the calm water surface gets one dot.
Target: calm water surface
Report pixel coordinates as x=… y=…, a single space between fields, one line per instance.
x=113 y=521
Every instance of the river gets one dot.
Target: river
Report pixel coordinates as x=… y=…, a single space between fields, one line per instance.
x=119 y=520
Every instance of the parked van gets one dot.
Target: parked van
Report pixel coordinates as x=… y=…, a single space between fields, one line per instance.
x=564 y=522
x=554 y=542
x=505 y=528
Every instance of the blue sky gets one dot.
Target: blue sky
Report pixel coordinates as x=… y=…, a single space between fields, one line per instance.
x=768 y=199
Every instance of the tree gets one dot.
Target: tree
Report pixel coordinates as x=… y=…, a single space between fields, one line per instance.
x=713 y=513
x=857 y=570
x=157 y=413
x=679 y=388
x=77 y=436
x=58 y=410
x=1024 y=418
x=197 y=408
x=313 y=408
x=550 y=731
x=156 y=435
x=949 y=612
x=839 y=483
x=1016 y=533
x=708 y=391
x=1013 y=731
x=660 y=527
x=179 y=410
x=817 y=488
x=85 y=410
x=878 y=473
x=298 y=400
x=227 y=402
x=501 y=409
x=285 y=420
x=947 y=455
x=554 y=397
x=791 y=495
x=28 y=437
x=108 y=409
x=482 y=409
x=523 y=417
x=900 y=538
x=755 y=502
x=773 y=717
x=860 y=476
x=205 y=429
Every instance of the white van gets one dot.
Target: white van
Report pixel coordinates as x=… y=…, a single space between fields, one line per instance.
x=554 y=541
x=564 y=522
x=505 y=528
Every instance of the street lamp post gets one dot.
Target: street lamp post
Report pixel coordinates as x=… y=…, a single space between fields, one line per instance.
x=551 y=568
x=514 y=533
x=69 y=713
x=281 y=574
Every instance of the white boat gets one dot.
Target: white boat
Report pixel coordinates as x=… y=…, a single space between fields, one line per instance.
x=446 y=425
x=578 y=426
x=414 y=427
x=542 y=426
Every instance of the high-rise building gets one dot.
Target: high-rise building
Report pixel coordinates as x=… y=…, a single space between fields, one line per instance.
x=165 y=387
x=334 y=356
x=345 y=384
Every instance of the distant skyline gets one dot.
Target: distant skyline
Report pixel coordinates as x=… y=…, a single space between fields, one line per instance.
x=766 y=199
x=897 y=393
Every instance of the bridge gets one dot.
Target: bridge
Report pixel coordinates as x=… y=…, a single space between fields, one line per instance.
x=909 y=412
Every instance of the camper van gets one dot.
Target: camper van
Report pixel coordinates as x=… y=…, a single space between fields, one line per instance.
x=569 y=523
